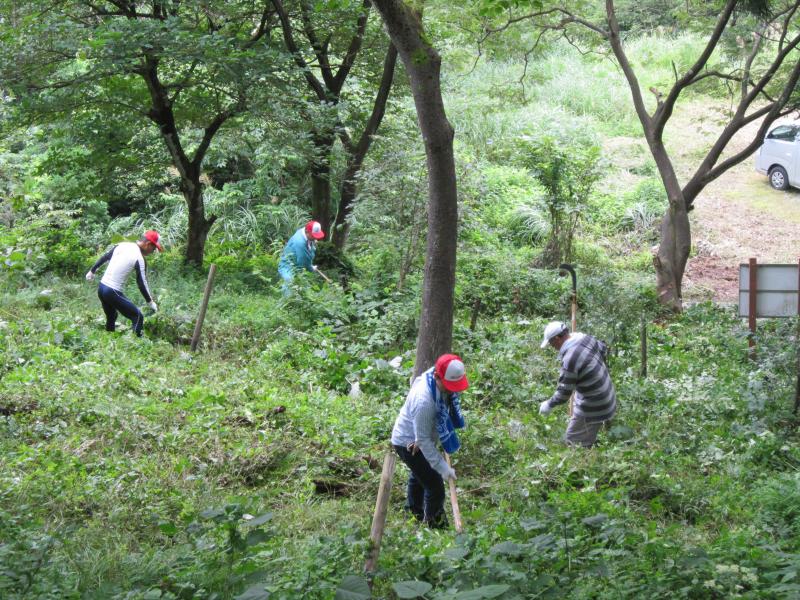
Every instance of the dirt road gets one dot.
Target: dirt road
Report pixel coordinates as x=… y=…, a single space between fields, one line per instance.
x=738 y=216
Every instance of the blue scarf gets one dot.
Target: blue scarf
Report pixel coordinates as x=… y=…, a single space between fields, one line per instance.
x=447 y=418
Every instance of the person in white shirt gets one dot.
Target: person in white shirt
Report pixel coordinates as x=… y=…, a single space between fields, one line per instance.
x=122 y=259
x=430 y=414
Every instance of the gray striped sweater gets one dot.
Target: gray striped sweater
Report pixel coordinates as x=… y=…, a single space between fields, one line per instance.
x=584 y=371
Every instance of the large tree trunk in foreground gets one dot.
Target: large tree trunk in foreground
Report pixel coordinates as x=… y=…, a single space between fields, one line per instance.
x=422 y=64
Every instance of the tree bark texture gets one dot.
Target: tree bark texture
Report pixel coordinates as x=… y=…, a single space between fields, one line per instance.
x=422 y=63
x=321 y=180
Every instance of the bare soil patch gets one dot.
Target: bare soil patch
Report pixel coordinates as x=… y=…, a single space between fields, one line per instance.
x=738 y=216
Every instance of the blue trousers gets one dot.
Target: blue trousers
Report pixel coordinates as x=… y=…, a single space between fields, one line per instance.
x=115 y=302
x=425 y=490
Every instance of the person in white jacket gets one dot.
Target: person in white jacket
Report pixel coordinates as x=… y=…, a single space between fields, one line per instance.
x=122 y=259
x=430 y=414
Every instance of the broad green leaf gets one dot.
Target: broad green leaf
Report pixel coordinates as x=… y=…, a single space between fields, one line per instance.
x=254 y=592
x=596 y=520
x=456 y=553
x=483 y=593
x=353 y=588
x=507 y=549
x=257 y=536
x=411 y=589
x=260 y=519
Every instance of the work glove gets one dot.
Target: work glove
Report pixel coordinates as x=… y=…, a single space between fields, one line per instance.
x=89 y=276
x=451 y=474
x=545 y=408
x=153 y=305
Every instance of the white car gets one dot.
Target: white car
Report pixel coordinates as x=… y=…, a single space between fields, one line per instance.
x=779 y=157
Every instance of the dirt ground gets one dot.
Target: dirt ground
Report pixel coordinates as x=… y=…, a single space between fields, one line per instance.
x=737 y=217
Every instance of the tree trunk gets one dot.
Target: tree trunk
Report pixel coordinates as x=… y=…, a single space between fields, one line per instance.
x=199 y=226
x=676 y=239
x=347 y=197
x=321 y=181
x=673 y=254
x=422 y=64
x=355 y=156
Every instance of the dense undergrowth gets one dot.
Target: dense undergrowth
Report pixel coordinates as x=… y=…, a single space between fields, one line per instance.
x=136 y=469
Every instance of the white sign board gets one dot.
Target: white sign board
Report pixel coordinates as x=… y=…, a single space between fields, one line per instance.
x=776 y=290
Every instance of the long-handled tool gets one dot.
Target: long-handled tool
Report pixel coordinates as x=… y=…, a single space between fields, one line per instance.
x=381 y=508
x=565 y=268
x=454 y=500
x=321 y=274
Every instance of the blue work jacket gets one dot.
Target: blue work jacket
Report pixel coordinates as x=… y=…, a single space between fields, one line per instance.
x=298 y=254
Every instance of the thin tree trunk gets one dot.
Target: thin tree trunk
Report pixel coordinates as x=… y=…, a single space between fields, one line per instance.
x=676 y=239
x=422 y=64
x=321 y=181
x=356 y=155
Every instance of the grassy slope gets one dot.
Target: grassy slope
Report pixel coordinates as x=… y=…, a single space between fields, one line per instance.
x=119 y=445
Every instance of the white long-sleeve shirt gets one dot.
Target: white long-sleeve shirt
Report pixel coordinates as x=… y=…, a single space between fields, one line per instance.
x=122 y=259
x=417 y=423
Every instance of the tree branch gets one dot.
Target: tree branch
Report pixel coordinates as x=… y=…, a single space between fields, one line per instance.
x=352 y=50
x=664 y=111
x=288 y=37
x=627 y=69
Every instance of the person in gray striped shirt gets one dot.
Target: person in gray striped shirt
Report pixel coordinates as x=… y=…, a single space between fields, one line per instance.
x=583 y=371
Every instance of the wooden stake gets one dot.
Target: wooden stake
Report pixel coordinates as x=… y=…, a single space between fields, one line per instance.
x=643 y=335
x=381 y=509
x=203 y=307
x=574 y=328
x=476 y=308
x=751 y=308
x=454 y=500
x=321 y=274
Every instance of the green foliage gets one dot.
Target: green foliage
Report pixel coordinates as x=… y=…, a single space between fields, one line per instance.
x=567 y=167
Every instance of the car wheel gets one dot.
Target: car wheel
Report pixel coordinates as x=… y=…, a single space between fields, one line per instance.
x=778 y=178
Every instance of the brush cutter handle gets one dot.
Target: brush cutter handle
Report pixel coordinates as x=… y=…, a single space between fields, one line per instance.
x=454 y=500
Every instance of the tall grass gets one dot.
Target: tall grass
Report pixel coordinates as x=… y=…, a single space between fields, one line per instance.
x=489 y=104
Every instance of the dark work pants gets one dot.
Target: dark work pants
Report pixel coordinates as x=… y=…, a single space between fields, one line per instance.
x=113 y=302
x=425 y=492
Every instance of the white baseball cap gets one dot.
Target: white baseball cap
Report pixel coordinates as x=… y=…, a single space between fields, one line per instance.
x=552 y=329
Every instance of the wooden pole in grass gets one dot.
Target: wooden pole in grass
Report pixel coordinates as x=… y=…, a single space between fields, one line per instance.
x=643 y=335
x=454 y=500
x=751 y=306
x=321 y=274
x=381 y=508
x=203 y=307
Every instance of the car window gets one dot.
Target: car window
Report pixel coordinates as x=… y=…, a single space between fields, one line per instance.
x=784 y=132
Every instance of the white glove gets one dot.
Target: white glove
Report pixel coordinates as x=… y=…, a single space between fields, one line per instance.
x=153 y=305
x=545 y=408
x=314 y=268
x=451 y=473
x=89 y=276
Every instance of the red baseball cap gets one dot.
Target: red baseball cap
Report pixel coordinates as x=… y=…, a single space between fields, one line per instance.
x=314 y=229
x=451 y=371
x=152 y=236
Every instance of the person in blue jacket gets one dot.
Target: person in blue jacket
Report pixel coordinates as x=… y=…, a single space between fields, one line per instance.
x=299 y=253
